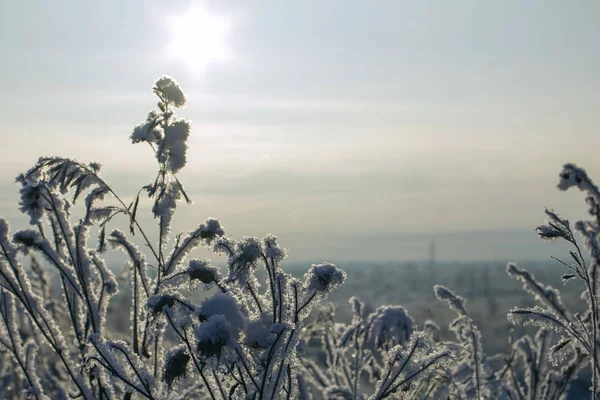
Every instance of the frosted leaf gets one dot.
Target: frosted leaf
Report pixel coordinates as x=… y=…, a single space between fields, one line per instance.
x=455 y=302
x=102 y=213
x=546 y=295
x=546 y=232
x=555 y=219
x=554 y=228
x=536 y=316
x=560 y=351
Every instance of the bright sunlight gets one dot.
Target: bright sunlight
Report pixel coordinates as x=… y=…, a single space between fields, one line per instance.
x=197 y=38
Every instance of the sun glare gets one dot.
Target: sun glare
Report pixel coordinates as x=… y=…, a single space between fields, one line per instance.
x=198 y=38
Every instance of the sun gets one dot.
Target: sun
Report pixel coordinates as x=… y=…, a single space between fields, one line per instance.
x=197 y=38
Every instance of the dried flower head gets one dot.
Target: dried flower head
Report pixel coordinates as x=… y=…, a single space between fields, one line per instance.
x=272 y=249
x=212 y=335
x=176 y=364
x=210 y=229
x=169 y=91
x=202 y=270
x=249 y=249
x=323 y=277
x=32 y=202
x=158 y=303
x=225 y=305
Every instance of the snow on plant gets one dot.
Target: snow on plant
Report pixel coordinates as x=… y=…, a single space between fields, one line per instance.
x=380 y=349
x=248 y=338
x=240 y=342
x=578 y=331
x=528 y=358
x=469 y=349
x=541 y=367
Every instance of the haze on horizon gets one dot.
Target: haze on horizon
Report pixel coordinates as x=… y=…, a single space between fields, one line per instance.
x=353 y=130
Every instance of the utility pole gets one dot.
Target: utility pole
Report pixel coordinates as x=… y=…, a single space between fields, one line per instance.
x=432 y=270
x=432 y=254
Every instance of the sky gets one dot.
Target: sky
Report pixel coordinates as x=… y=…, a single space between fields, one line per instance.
x=353 y=130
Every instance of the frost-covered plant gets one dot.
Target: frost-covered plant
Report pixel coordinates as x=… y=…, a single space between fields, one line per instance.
x=249 y=337
x=468 y=372
x=528 y=374
x=578 y=331
x=239 y=342
x=381 y=350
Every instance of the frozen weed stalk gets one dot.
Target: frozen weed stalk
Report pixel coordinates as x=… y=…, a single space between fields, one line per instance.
x=240 y=342
x=578 y=331
x=249 y=338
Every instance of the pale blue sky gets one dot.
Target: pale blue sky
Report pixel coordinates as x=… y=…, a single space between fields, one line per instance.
x=392 y=121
